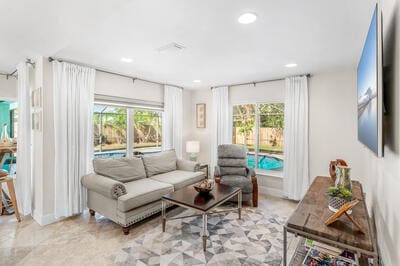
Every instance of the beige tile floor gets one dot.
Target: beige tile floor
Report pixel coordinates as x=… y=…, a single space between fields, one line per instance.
x=84 y=240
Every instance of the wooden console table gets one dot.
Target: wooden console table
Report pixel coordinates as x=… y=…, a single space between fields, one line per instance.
x=308 y=220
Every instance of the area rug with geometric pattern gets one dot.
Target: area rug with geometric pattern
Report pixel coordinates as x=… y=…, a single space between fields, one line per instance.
x=256 y=239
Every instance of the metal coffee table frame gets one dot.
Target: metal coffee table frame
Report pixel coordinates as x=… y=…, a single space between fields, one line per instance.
x=166 y=202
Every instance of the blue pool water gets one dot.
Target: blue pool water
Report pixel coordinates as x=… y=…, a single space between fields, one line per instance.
x=110 y=154
x=114 y=154
x=265 y=162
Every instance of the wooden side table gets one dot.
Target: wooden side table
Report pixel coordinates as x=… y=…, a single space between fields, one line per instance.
x=10 y=184
x=4 y=178
x=308 y=221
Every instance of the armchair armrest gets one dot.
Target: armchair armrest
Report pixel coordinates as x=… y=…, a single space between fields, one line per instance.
x=251 y=172
x=105 y=186
x=186 y=165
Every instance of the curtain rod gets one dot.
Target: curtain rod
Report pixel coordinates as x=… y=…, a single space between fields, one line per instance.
x=51 y=59
x=255 y=82
x=28 y=61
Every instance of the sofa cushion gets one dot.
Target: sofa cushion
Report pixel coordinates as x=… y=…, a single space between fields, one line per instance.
x=179 y=178
x=121 y=169
x=159 y=163
x=141 y=192
x=244 y=183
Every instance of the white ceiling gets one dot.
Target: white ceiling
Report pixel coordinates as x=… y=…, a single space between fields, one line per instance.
x=316 y=34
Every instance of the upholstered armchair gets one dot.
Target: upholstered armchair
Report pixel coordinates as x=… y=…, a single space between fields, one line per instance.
x=232 y=170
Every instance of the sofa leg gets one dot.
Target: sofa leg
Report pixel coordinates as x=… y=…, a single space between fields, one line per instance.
x=92 y=212
x=125 y=230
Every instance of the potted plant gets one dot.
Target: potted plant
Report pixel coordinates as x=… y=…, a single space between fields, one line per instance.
x=337 y=197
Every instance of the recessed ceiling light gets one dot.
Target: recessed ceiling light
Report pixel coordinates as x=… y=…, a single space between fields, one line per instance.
x=196 y=81
x=126 y=60
x=247 y=18
x=291 y=65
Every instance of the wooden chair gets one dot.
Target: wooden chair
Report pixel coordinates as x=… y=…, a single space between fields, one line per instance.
x=5 y=178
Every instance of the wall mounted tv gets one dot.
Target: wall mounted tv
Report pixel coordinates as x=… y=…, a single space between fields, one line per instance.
x=369 y=88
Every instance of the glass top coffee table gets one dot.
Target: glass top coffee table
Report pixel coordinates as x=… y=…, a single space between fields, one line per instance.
x=203 y=204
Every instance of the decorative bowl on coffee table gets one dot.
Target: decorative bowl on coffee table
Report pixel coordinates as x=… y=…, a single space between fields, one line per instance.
x=204 y=186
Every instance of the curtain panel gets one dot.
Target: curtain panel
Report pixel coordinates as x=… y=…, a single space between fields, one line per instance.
x=172 y=119
x=295 y=170
x=73 y=133
x=221 y=123
x=23 y=181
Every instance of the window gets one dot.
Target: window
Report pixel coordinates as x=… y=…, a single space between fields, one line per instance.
x=260 y=128
x=147 y=131
x=109 y=131
x=114 y=127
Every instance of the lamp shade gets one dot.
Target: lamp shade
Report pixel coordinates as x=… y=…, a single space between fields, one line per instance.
x=192 y=146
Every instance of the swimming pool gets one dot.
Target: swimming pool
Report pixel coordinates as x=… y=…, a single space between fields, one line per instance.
x=265 y=162
x=110 y=154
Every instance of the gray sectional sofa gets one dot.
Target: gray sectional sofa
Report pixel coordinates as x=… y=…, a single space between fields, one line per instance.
x=128 y=190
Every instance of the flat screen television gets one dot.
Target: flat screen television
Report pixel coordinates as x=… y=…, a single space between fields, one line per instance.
x=369 y=88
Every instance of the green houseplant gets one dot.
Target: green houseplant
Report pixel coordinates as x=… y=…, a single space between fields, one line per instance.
x=337 y=197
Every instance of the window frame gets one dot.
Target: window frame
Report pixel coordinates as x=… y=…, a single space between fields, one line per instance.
x=130 y=125
x=275 y=173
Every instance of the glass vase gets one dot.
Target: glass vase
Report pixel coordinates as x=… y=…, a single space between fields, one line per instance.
x=343 y=177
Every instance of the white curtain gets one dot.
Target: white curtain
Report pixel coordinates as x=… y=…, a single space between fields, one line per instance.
x=172 y=120
x=295 y=171
x=73 y=134
x=221 y=124
x=23 y=182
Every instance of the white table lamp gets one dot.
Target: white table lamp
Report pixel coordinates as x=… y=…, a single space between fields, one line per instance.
x=193 y=147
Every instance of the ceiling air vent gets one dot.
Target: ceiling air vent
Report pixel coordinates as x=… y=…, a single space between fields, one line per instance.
x=171 y=47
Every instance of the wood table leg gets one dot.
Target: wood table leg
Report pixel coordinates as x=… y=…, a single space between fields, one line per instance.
x=1 y=199
x=10 y=185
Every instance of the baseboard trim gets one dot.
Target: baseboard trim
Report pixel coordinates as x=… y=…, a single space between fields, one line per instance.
x=270 y=191
x=45 y=219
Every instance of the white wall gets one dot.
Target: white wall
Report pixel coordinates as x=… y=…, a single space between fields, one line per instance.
x=267 y=92
x=202 y=134
x=8 y=88
x=43 y=147
x=382 y=176
x=115 y=85
x=333 y=122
